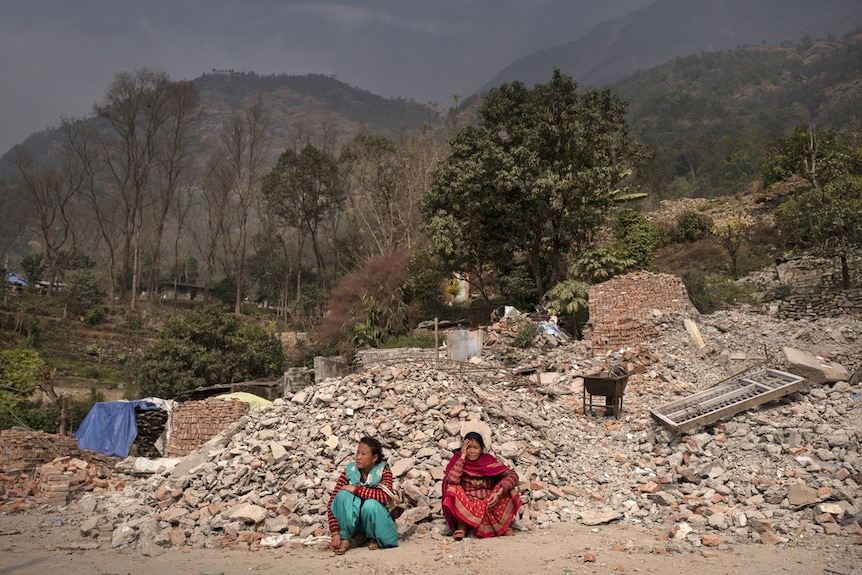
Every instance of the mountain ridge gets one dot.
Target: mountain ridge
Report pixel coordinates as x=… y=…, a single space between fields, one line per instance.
x=620 y=47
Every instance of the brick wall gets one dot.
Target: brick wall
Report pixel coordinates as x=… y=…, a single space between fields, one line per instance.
x=196 y=422
x=620 y=308
x=38 y=468
x=26 y=449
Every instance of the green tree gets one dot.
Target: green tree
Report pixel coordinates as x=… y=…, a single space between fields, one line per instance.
x=305 y=191
x=635 y=237
x=825 y=214
x=531 y=181
x=208 y=347
x=569 y=296
x=33 y=266
x=20 y=374
x=732 y=234
x=83 y=289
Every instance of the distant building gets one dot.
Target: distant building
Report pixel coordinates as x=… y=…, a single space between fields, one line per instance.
x=175 y=291
x=16 y=281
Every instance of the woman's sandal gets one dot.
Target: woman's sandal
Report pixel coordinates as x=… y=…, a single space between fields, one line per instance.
x=373 y=546
x=458 y=534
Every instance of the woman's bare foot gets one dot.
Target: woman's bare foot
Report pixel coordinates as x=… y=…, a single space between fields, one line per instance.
x=373 y=545
x=342 y=549
x=509 y=532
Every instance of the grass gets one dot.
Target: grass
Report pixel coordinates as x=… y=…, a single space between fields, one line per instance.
x=421 y=338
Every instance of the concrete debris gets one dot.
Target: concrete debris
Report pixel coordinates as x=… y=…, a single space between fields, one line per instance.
x=817 y=369
x=265 y=481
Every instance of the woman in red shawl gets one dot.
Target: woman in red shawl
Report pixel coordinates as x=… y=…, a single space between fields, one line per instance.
x=479 y=492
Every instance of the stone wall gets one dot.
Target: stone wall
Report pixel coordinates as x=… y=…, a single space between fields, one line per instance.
x=195 y=422
x=827 y=304
x=620 y=308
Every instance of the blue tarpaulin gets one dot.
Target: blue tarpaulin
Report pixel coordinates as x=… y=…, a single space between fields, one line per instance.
x=16 y=280
x=110 y=427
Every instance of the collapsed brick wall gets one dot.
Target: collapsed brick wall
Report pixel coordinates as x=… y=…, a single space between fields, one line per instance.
x=196 y=422
x=26 y=449
x=46 y=468
x=620 y=308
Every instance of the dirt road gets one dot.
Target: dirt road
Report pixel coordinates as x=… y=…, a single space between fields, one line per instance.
x=50 y=544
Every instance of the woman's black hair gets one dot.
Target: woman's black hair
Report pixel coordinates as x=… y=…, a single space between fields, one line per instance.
x=475 y=436
x=375 y=447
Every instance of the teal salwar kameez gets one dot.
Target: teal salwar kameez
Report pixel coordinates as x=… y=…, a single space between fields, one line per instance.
x=357 y=516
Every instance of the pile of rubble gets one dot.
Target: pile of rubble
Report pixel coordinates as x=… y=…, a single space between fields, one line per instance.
x=786 y=471
x=38 y=468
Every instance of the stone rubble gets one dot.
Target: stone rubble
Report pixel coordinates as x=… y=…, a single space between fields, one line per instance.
x=782 y=473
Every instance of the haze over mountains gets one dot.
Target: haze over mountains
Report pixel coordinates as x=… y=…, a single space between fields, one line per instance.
x=645 y=37
x=61 y=55
x=670 y=28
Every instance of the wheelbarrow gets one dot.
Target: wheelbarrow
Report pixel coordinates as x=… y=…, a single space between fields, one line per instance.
x=610 y=384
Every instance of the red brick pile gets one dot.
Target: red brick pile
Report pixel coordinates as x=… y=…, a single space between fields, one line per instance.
x=195 y=422
x=620 y=308
x=38 y=468
x=26 y=449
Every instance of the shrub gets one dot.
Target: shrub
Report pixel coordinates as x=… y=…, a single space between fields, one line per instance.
x=206 y=347
x=698 y=292
x=369 y=305
x=421 y=338
x=93 y=316
x=635 y=237
x=600 y=264
x=692 y=226
x=525 y=335
x=134 y=320
x=82 y=289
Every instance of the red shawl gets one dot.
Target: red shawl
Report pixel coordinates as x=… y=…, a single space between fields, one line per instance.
x=486 y=466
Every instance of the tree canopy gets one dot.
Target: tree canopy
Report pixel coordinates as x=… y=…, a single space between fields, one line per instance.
x=20 y=373
x=531 y=181
x=825 y=212
x=208 y=347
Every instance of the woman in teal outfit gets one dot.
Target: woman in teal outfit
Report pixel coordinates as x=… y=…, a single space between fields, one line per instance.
x=358 y=502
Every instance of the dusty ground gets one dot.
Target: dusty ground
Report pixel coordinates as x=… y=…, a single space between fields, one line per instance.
x=50 y=544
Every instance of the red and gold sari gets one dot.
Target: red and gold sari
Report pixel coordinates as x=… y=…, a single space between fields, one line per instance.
x=466 y=487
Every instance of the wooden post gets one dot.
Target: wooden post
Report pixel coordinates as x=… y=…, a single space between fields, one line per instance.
x=436 y=344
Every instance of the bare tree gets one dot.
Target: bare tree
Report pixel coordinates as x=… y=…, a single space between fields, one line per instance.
x=384 y=184
x=237 y=167
x=49 y=189
x=174 y=164
x=83 y=150
x=148 y=118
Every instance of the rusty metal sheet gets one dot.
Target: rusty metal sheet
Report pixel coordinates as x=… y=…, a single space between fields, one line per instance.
x=730 y=397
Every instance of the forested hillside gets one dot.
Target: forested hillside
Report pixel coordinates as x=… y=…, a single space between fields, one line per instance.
x=668 y=29
x=305 y=104
x=708 y=116
x=310 y=99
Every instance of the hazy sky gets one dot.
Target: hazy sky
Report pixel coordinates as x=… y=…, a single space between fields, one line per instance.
x=57 y=57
